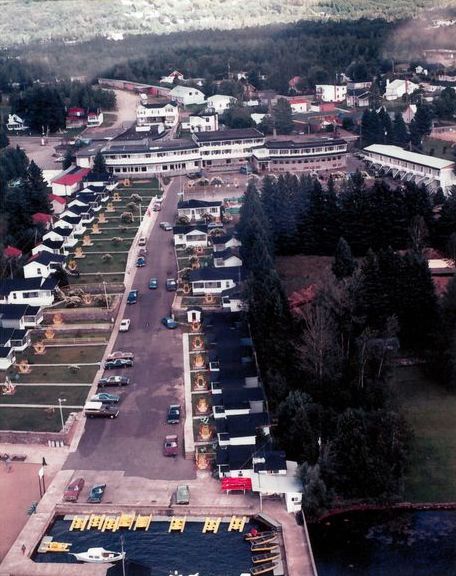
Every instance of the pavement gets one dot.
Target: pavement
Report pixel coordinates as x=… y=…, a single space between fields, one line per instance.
x=132 y=443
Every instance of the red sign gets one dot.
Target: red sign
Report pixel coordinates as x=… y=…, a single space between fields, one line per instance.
x=236 y=484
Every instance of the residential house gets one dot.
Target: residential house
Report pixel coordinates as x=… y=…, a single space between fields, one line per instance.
x=43 y=265
x=199 y=210
x=187 y=95
x=397 y=88
x=58 y=203
x=54 y=246
x=358 y=98
x=214 y=281
x=299 y=104
x=228 y=148
x=32 y=291
x=95 y=118
x=242 y=429
x=150 y=114
x=59 y=233
x=409 y=113
x=16 y=123
x=233 y=300
x=69 y=181
x=294 y=82
x=76 y=117
x=20 y=316
x=190 y=236
x=74 y=223
x=172 y=78
x=331 y=92
x=236 y=401
x=202 y=122
x=7 y=357
x=13 y=338
x=257 y=117
x=78 y=209
x=220 y=103
x=221 y=243
x=43 y=219
x=228 y=258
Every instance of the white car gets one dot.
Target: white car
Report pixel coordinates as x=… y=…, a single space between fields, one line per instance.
x=124 y=325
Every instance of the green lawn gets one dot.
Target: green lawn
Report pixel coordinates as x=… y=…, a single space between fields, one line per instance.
x=34 y=419
x=64 y=355
x=95 y=264
x=74 y=395
x=431 y=412
x=45 y=374
x=438 y=148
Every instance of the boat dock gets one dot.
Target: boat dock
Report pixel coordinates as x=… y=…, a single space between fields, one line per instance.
x=142 y=522
x=211 y=525
x=237 y=523
x=177 y=524
x=47 y=544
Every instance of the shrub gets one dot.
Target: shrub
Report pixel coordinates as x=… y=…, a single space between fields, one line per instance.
x=106 y=258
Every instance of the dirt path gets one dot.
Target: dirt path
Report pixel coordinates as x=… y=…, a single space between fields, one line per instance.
x=126 y=107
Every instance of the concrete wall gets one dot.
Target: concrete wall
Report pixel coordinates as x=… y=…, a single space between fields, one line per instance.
x=43 y=438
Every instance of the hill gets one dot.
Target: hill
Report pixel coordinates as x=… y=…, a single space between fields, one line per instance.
x=25 y=21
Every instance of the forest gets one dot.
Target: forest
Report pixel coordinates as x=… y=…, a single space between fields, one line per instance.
x=327 y=367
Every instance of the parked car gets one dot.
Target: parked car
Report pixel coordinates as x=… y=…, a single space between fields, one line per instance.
x=73 y=490
x=169 y=322
x=119 y=363
x=166 y=226
x=132 y=297
x=142 y=241
x=246 y=169
x=122 y=355
x=183 y=494
x=114 y=381
x=106 y=398
x=157 y=207
x=153 y=283
x=96 y=493
x=100 y=410
x=171 y=285
x=174 y=413
x=140 y=262
x=124 y=325
x=170 y=445
x=142 y=252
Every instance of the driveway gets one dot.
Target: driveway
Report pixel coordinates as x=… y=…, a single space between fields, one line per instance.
x=133 y=442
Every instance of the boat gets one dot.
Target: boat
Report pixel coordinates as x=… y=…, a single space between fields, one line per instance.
x=263 y=568
x=269 y=537
x=267 y=557
x=254 y=535
x=99 y=556
x=267 y=547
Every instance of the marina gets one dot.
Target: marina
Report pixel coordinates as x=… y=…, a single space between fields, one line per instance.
x=211 y=546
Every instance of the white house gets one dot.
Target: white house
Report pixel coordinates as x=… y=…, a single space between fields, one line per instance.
x=50 y=245
x=7 y=357
x=187 y=95
x=203 y=122
x=229 y=148
x=79 y=209
x=409 y=166
x=199 y=210
x=214 y=281
x=220 y=103
x=43 y=264
x=69 y=181
x=227 y=258
x=18 y=340
x=74 y=223
x=299 y=104
x=397 y=88
x=173 y=77
x=286 y=485
x=257 y=117
x=15 y=123
x=59 y=233
x=190 y=236
x=221 y=243
x=331 y=92
x=20 y=316
x=155 y=114
x=95 y=118
x=242 y=429
x=32 y=291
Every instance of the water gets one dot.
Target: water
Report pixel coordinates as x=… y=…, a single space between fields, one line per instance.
x=394 y=543
x=222 y=554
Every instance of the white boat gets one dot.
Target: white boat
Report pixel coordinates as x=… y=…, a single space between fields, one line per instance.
x=99 y=556
x=176 y=573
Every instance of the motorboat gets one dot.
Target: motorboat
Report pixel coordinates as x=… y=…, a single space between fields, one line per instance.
x=266 y=557
x=263 y=568
x=266 y=547
x=99 y=556
x=254 y=535
x=176 y=573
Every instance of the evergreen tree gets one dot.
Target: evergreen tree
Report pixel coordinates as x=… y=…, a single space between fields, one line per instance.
x=4 y=140
x=400 y=133
x=386 y=126
x=344 y=264
x=68 y=159
x=421 y=125
x=35 y=189
x=283 y=119
x=99 y=165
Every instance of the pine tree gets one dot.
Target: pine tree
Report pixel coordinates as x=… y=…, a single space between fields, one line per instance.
x=386 y=126
x=68 y=159
x=36 y=190
x=421 y=125
x=400 y=133
x=283 y=119
x=4 y=140
x=99 y=165
x=344 y=264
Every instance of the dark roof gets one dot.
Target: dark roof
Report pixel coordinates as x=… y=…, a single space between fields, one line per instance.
x=242 y=424
x=71 y=219
x=77 y=209
x=232 y=398
x=273 y=460
x=235 y=457
x=236 y=134
x=46 y=258
x=193 y=203
x=292 y=145
x=159 y=104
x=54 y=244
x=11 y=333
x=185 y=229
x=217 y=240
x=9 y=285
x=227 y=253
x=50 y=283
x=148 y=145
x=5 y=352
x=63 y=231
x=234 y=273
x=17 y=311
x=359 y=92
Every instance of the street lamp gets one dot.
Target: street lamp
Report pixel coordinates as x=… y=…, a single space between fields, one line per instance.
x=106 y=296
x=61 y=411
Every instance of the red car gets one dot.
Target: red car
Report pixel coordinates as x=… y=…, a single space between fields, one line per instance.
x=73 y=490
x=170 y=445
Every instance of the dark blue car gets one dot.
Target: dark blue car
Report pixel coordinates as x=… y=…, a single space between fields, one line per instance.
x=96 y=493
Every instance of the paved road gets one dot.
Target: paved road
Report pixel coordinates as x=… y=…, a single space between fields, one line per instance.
x=133 y=442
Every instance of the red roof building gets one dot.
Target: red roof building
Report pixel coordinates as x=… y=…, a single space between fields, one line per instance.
x=69 y=182
x=41 y=218
x=12 y=252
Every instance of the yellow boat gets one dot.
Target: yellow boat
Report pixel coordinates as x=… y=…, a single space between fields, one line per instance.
x=267 y=557
x=263 y=568
x=266 y=547
x=254 y=536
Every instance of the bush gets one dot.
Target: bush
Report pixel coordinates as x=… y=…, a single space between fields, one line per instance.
x=106 y=258
x=116 y=240
x=126 y=217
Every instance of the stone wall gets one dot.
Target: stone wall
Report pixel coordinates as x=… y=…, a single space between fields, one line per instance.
x=44 y=438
